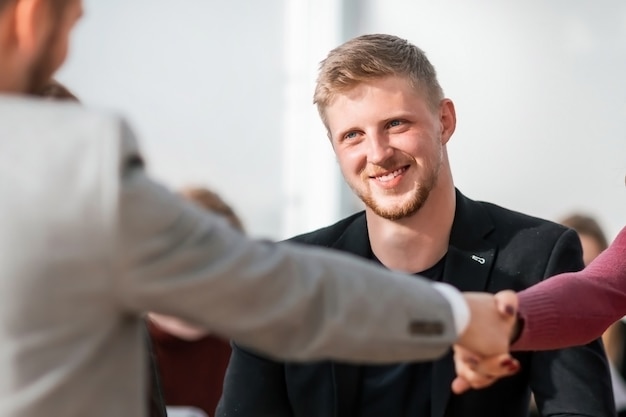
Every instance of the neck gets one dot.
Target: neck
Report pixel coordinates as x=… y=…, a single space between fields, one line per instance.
x=414 y=244
x=12 y=76
x=7 y=84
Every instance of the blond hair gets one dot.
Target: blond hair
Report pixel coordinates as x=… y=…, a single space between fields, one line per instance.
x=374 y=56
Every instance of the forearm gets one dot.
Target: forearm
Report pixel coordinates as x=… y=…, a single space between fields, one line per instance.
x=286 y=300
x=566 y=310
x=575 y=308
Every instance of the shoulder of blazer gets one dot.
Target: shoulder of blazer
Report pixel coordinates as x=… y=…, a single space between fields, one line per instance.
x=528 y=248
x=500 y=224
x=329 y=235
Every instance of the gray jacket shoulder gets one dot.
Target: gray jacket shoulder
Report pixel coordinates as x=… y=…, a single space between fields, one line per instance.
x=68 y=126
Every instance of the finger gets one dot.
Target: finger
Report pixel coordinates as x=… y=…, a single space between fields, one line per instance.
x=500 y=367
x=496 y=365
x=507 y=303
x=459 y=385
x=466 y=355
x=512 y=366
x=469 y=379
x=487 y=372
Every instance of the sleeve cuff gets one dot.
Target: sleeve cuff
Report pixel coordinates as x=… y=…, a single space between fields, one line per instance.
x=460 y=310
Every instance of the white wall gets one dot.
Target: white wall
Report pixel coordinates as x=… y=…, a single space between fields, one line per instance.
x=538 y=86
x=540 y=95
x=311 y=180
x=202 y=83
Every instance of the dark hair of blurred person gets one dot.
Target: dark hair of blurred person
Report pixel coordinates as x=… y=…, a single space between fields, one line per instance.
x=211 y=201
x=54 y=90
x=592 y=238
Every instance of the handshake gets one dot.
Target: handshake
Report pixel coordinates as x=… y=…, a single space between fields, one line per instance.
x=481 y=354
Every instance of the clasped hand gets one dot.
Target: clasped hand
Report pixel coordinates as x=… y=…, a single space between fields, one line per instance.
x=481 y=354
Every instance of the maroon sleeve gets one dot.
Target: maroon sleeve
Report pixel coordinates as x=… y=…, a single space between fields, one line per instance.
x=574 y=308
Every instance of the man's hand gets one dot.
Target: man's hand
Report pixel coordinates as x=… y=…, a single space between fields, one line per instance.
x=480 y=373
x=178 y=327
x=481 y=356
x=489 y=330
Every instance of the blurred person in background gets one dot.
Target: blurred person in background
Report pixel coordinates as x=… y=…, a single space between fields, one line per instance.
x=594 y=242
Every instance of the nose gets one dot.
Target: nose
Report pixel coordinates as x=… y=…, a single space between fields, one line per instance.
x=379 y=149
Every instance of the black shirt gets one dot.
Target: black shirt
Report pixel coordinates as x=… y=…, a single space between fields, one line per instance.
x=404 y=389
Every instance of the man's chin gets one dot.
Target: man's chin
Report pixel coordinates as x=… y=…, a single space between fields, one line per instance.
x=394 y=212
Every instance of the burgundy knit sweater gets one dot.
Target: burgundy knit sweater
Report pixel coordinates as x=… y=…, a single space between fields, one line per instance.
x=574 y=308
x=192 y=372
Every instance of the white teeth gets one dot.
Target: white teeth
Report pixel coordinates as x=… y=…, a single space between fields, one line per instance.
x=389 y=177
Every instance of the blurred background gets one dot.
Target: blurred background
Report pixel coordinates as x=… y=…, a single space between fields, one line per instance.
x=220 y=95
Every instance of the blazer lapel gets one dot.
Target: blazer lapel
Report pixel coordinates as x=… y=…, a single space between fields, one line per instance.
x=468 y=265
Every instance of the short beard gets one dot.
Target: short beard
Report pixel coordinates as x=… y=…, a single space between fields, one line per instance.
x=419 y=198
x=405 y=210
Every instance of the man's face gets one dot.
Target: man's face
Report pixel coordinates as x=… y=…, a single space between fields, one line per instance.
x=54 y=44
x=389 y=144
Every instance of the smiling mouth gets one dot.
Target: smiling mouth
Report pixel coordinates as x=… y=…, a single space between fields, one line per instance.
x=390 y=175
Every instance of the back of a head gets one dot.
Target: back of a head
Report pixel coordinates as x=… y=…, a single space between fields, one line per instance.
x=370 y=57
x=35 y=37
x=586 y=225
x=211 y=201
x=56 y=5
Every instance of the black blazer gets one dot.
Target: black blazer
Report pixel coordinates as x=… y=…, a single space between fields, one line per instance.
x=491 y=249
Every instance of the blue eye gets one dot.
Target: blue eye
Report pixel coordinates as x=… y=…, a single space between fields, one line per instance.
x=394 y=123
x=350 y=135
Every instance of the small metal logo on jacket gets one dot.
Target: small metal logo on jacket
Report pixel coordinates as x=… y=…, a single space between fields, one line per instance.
x=478 y=259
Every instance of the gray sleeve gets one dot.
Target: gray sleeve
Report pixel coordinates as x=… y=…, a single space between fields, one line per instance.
x=283 y=299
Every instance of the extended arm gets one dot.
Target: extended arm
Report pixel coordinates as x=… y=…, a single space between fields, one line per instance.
x=286 y=300
x=574 y=308
x=566 y=310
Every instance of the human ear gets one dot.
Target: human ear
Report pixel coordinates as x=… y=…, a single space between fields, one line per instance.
x=447 y=119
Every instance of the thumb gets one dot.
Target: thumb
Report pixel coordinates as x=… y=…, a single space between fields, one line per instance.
x=507 y=303
x=459 y=385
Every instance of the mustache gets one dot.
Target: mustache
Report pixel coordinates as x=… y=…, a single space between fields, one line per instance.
x=376 y=170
